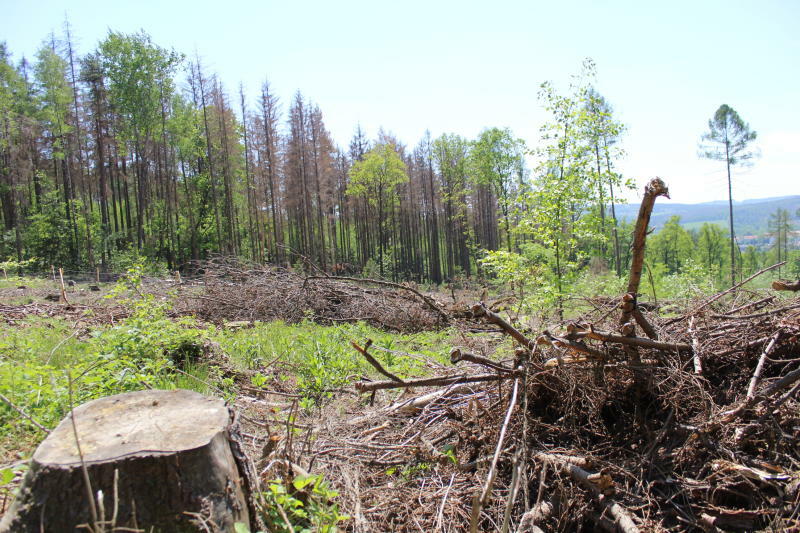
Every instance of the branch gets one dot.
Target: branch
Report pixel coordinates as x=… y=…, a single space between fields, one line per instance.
x=723 y=293
x=781 y=285
x=480 y=310
x=374 y=362
x=622 y=518
x=456 y=355
x=638 y=341
x=368 y=386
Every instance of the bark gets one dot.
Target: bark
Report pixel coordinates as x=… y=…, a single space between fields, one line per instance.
x=652 y=190
x=793 y=286
x=150 y=457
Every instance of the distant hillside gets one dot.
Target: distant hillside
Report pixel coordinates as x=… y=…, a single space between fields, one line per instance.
x=750 y=217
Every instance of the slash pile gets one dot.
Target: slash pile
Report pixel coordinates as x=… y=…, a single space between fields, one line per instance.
x=699 y=432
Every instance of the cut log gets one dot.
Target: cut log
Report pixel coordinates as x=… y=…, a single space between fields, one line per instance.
x=155 y=460
x=782 y=285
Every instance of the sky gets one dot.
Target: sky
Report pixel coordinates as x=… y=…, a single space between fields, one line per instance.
x=459 y=67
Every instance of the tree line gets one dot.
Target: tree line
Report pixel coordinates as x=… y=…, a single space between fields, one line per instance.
x=137 y=152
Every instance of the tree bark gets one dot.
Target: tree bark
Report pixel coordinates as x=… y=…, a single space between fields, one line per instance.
x=153 y=460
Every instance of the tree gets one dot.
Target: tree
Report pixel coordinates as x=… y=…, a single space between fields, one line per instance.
x=496 y=160
x=376 y=178
x=779 y=228
x=671 y=246
x=727 y=140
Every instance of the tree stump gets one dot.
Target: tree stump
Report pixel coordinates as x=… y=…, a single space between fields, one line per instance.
x=156 y=460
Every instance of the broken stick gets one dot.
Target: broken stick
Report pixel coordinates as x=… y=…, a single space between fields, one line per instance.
x=622 y=517
x=374 y=362
x=480 y=310
x=369 y=386
x=652 y=190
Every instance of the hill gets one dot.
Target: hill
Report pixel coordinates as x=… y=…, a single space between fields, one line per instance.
x=750 y=217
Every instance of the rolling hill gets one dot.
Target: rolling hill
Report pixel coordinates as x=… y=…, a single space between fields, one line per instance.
x=750 y=217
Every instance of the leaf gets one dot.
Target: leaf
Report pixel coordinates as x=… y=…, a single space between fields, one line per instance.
x=239 y=527
x=6 y=476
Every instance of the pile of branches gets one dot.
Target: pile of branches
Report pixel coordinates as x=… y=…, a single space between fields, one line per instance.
x=234 y=291
x=619 y=421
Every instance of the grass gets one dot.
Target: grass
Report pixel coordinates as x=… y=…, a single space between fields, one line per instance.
x=39 y=356
x=320 y=358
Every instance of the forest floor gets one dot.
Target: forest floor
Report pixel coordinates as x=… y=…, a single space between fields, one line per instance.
x=696 y=430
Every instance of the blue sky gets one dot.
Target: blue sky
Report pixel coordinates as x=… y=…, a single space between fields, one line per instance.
x=462 y=66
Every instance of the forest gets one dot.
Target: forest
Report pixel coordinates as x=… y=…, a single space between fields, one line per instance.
x=135 y=152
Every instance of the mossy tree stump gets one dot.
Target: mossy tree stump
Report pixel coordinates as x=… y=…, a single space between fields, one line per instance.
x=156 y=460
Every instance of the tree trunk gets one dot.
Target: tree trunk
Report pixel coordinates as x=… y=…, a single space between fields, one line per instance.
x=154 y=460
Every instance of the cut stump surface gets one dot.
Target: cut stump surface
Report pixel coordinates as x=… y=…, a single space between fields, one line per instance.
x=169 y=452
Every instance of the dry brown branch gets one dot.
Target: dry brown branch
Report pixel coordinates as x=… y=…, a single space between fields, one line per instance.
x=428 y=301
x=782 y=285
x=483 y=497
x=479 y=310
x=638 y=341
x=622 y=517
x=457 y=355
x=374 y=362
x=369 y=386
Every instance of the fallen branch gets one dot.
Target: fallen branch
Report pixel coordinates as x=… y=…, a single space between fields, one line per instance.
x=639 y=341
x=751 y=389
x=698 y=363
x=428 y=301
x=648 y=329
x=723 y=293
x=479 y=310
x=622 y=517
x=23 y=413
x=457 y=355
x=781 y=285
x=413 y=405
x=479 y=502
x=547 y=338
x=368 y=386
x=785 y=381
x=374 y=362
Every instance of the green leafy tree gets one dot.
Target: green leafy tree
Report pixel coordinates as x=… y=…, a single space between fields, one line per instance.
x=377 y=177
x=671 y=246
x=728 y=139
x=711 y=247
x=562 y=210
x=779 y=227
x=497 y=160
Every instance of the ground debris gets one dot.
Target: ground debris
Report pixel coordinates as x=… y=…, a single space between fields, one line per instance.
x=601 y=442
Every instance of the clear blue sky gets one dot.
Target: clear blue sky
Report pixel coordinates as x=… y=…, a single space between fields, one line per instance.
x=462 y=66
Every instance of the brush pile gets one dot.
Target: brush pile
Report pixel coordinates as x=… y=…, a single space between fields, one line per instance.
x=573 y=433
x=233 y=291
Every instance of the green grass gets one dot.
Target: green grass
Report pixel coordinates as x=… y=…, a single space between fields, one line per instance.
x=39 y=357
x=321 y=359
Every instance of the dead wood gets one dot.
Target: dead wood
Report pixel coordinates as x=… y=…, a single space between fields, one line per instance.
x=638 y=341
x=599 y=485
x=457 y=355
x=369 y=386
x=480 y=310
x=374 y=362
x=153 y=456
x=782 y=285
